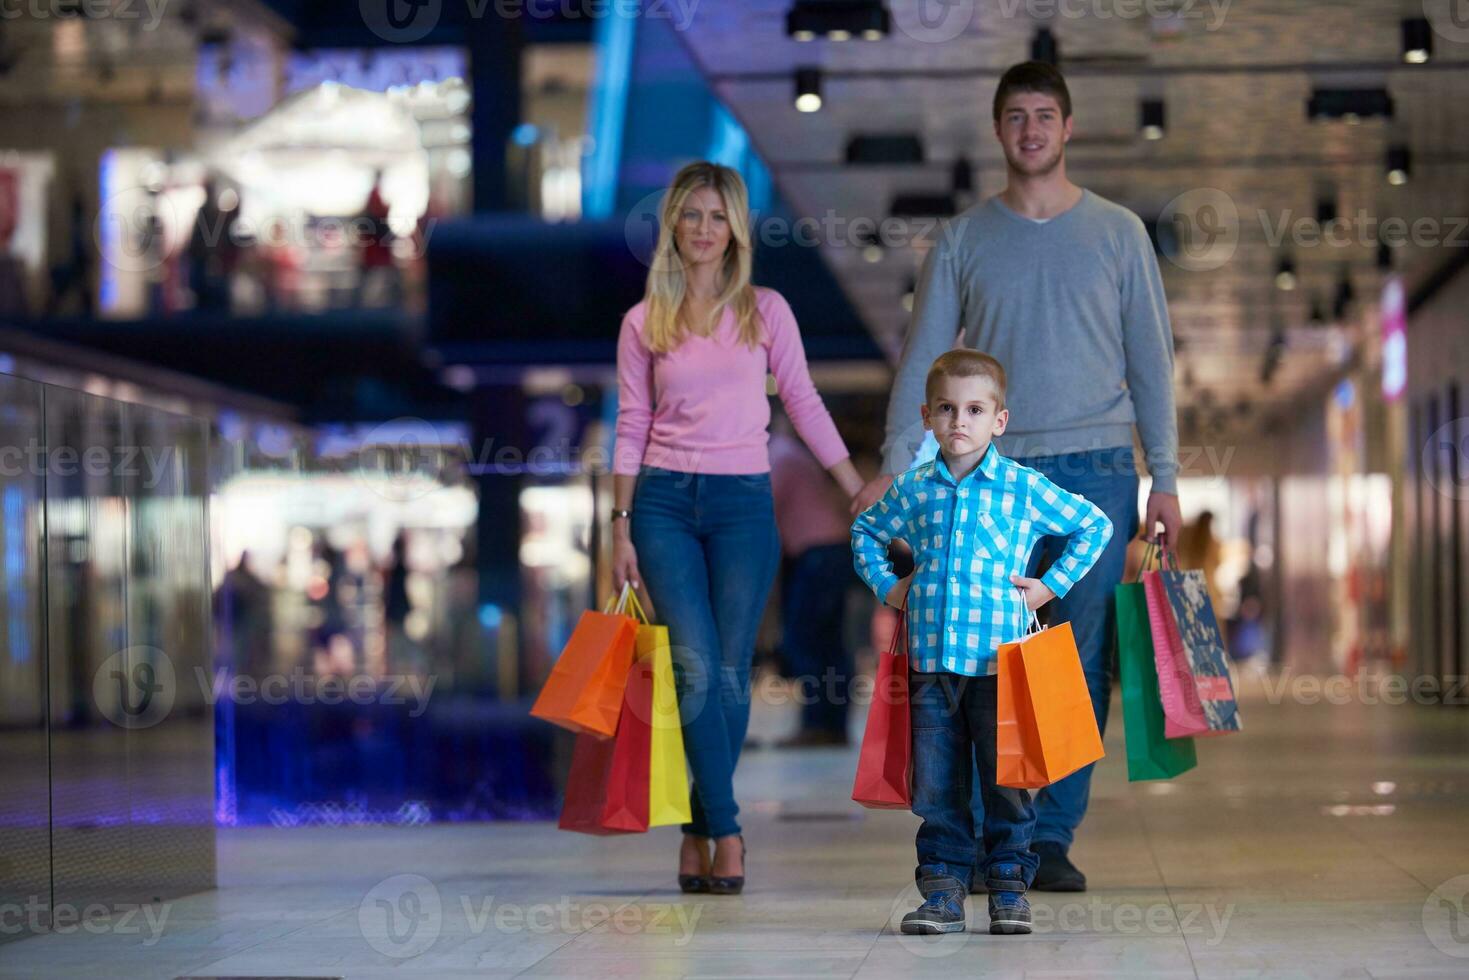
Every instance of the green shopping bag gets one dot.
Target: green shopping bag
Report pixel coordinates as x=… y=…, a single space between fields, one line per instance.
x=1149 y=754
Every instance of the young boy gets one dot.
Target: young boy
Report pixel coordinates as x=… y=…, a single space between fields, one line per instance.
x=971 y=517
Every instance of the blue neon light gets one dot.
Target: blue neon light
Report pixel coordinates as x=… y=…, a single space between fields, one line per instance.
x=613 y=37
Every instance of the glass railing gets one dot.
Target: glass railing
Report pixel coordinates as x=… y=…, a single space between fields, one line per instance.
x=107 y=760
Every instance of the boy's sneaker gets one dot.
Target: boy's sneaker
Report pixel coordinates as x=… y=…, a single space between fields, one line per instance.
x=942 y=909
x=1009 y=909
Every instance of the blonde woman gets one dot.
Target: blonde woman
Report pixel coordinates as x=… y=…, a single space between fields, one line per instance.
x=693 y=520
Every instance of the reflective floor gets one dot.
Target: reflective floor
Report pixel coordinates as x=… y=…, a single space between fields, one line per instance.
x=1327 y=840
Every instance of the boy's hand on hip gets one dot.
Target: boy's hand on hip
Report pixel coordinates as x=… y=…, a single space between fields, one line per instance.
x=1037 y=593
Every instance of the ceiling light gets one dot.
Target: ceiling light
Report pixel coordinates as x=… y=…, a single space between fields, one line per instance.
x=885 y=149
x=808 y=89
x=1044 y=47
x=1152 y=123
x=1326 y=206
x=1285 y=275
x=1399 y=165
x=1417 y=40
x=922 y=205
x=1384 y=255
x=871 y=243
x=1350 y=105
x=837 y=20
x=963 y=174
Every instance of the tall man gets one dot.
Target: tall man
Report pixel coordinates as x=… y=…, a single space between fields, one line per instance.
x=1061 y=286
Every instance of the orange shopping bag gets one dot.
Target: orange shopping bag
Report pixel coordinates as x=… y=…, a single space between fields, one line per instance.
x=584 y=691
x=1046 y=728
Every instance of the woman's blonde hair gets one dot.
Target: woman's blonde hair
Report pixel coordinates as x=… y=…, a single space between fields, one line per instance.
x=663 y=327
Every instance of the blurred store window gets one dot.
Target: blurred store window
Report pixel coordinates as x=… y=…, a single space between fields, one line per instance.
x=547 y=149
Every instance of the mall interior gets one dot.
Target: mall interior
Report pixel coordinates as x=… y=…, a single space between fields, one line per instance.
x=308 y=391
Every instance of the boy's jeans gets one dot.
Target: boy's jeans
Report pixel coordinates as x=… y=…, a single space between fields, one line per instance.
x=953 y=719
x=1108 y=478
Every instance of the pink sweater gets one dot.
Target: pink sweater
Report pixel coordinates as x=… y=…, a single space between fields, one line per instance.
x=702 y=408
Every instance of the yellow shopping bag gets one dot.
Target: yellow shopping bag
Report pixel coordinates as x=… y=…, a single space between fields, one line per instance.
x=668 y=782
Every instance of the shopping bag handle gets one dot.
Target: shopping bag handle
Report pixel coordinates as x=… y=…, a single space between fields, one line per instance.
x=1168 y=559
x=899 y=628
x=1150 y=558
x=628 y=597
x=1032 y=622
x=1156 y=556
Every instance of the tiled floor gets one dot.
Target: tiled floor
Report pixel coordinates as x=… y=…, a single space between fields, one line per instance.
x=1324 y=841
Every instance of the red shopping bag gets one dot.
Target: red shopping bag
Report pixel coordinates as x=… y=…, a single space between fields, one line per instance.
x=584 y=692
x=607 y=790
x=885 y=767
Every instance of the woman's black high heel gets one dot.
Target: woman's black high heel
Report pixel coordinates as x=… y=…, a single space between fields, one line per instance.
x=730 y=884
x=693 y=884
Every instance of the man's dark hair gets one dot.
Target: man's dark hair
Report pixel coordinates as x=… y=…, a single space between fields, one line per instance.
x=1033 y=76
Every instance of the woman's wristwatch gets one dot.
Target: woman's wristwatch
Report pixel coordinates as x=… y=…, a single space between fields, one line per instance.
x=618 y=514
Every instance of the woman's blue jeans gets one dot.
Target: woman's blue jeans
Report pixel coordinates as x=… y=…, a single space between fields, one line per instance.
x=708 y=550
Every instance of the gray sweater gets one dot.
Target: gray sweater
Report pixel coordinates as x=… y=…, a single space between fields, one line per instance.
x=1074 y=310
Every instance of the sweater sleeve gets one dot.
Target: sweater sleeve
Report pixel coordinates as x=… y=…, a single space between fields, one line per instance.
x=1147 y=343
x=634 y=399
x=798 y=394
x=937 y=316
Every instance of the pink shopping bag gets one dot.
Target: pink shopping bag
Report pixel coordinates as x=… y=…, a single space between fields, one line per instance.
x=1193 y=678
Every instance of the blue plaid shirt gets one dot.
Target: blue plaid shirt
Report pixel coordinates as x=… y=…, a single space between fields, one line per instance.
x=968 y=537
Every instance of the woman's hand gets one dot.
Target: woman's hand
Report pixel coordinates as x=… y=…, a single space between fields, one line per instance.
x=625 y=564
x=847 y=477
x=625 y=567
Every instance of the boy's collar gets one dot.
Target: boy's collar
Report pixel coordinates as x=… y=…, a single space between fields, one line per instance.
x=988 y=465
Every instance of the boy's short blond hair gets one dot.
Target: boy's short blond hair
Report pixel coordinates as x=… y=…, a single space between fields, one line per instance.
x=965 y=362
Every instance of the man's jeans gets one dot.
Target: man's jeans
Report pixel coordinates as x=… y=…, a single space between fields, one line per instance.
x=1108 y=478
x=816 y=650
x=708 y=550
x=953 y=720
